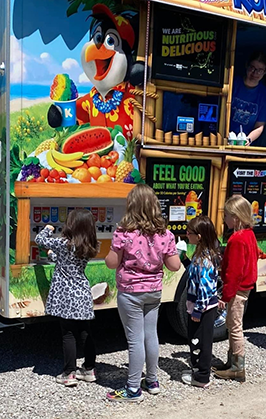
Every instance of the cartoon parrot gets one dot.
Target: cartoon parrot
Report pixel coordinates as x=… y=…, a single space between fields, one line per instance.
x=108 y=63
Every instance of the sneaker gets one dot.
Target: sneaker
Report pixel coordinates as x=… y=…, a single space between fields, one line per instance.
x=187 y=379
x=125 y=395
x=86 y=374
x=152 y=388
x=69 y=380
x=185 y=372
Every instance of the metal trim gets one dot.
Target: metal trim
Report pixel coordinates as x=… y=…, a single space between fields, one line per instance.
x=8 y=32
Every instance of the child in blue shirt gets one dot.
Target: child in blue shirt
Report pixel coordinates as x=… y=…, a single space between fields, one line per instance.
x=201 y=299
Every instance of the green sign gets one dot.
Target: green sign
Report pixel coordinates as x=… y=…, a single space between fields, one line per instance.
x=182 y=187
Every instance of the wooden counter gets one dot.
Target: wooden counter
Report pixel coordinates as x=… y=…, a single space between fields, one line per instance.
x=26 y=190
x=72 y=190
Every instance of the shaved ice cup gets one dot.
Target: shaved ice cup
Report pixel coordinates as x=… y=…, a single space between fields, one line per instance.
x=191 y=210
x=68 y=110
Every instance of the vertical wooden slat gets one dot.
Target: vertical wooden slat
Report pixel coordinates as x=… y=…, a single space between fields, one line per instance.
x=222 y=197
x=231 y=77
x=211 y=191
x=215 y=195
x=23 y=232
x=150 y=107
x=159 y=109
x=137 y=118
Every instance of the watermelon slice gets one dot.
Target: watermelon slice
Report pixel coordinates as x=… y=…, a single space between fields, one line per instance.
x=91 y=140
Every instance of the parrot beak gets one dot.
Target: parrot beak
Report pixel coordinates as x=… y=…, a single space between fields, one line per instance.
x=102 y=57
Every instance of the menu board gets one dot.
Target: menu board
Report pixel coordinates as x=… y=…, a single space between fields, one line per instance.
x=188 y=46
x=249 y=180
x=182 y=187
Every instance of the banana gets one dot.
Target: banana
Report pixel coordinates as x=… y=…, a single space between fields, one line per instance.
x=74 y=163
x=62 y=157
x=55 y=165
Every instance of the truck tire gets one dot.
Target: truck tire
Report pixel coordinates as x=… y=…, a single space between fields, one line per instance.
x=177 y=313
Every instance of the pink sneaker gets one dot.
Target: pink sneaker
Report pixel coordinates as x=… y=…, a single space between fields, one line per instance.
x=69 y=380
x=86 y=374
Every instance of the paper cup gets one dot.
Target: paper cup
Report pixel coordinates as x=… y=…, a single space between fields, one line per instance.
x=231 y=142
x=241 y=142
x=68 y=110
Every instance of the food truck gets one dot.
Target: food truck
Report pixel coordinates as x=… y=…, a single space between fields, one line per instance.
x=96 y=97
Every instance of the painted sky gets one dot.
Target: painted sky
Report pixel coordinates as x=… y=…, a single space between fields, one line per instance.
x=34 y=62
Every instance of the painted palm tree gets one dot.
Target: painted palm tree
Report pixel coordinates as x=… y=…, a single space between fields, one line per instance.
x=114 y=6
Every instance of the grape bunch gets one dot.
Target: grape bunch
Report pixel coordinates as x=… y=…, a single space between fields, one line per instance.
x=133 y=177
x=30 y=169
x=129 y=178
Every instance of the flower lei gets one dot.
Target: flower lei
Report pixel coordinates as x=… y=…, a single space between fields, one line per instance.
x=110 y=105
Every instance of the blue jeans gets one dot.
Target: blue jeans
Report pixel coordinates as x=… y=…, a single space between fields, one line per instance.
x=139 y=315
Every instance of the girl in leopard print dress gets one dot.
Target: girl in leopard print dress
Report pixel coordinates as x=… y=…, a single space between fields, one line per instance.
x=70 y=297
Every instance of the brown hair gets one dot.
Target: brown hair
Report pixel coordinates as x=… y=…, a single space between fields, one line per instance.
x=143 y=212
x=257 y=56
x=208 y=245
x=80 y=230
x=239 y=207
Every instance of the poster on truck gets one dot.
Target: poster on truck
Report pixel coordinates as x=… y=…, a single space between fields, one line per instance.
x=249 y=180
x=72 y=69
x=188 y=47
x=182 y=187
x=71 y=92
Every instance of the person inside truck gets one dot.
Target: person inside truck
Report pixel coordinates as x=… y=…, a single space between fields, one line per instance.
x=249 y=101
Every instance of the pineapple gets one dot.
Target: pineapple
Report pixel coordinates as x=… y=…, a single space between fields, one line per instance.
x=126 y=165
x=46 y=145
x=53 y=143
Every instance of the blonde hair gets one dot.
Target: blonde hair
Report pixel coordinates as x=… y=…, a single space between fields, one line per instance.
x=239 y=207
x=143 y=212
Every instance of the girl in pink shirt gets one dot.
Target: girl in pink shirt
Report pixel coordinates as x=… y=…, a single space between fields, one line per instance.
x=140 y=246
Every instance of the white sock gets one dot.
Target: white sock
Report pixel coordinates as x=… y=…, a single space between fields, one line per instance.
x=133 y=389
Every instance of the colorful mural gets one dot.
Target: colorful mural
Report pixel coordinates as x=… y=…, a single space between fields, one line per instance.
x=72 y=75
x=88 y=136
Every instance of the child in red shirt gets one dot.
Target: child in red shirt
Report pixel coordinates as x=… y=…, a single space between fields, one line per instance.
x=239 y=275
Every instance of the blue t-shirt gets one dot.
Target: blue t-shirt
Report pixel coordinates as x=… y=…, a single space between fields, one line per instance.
x=248 y=106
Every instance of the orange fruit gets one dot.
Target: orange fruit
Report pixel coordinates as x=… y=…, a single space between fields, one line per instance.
x=95 y=172
x=104 y=178
x=111 y=171
x=82 y=174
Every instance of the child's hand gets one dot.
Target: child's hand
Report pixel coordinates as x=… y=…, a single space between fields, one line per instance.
x=50 y=227
x=49 y=252
x=221 y=305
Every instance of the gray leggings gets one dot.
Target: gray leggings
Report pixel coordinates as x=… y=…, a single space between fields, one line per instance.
x=139 y=314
